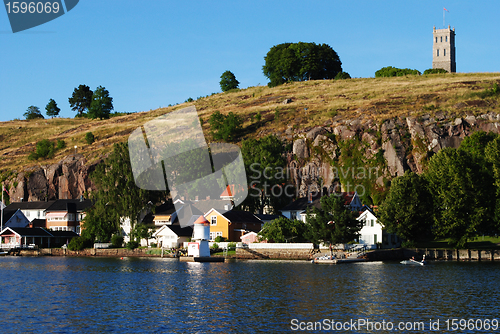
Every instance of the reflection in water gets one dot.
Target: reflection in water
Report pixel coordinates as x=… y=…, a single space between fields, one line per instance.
x=75 y=295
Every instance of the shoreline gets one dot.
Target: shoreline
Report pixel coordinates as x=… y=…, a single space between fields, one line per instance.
x=485 y=255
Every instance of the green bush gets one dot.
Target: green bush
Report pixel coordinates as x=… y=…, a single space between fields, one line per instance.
x=342 y=75
x=89 y=138
x=60 y=144
x=117 y=240
x=390 y=71
x=132 y=245
x=215 y=246
x=45 y=149
x=220 y=239
x=231 y=245
x=225 y=127
x=258 y=116
x=435 y=71
x=79 y=243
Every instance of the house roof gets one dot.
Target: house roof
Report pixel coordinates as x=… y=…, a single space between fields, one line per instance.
x=63 y=233
x=28 y=232
x=69 y=205
x=39 y=222
x=166 y=208
x=39 y=205
x=8 y=213
x=181 y=231
x=231 y=190
x=303 y=203
x=237 y=216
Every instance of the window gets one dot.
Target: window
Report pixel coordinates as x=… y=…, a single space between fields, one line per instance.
x=444 y=52
x=214 y=235
x=446 y=38
x=436 y=39
x=441 y=38
x=438 y=53
x=372 y=221
x=213 y=220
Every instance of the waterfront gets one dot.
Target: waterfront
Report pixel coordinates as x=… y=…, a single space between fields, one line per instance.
x=155 y=295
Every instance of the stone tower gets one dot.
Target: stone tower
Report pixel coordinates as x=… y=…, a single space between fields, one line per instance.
x=443 y=50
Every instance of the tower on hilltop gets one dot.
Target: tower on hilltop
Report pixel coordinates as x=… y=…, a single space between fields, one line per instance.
x=443 y=50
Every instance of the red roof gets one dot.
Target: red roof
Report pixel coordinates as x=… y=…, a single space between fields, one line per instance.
x=202 y=220
x=231 y=190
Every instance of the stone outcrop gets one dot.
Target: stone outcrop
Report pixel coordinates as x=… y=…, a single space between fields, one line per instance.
x=67 y=179
x=403 y=143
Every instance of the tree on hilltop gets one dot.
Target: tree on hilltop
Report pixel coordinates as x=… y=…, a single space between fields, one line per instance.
x=81 y=99
x=101 y=104
x=228 y=81
x=52 y=109
x=33 y=112
x=300 y=62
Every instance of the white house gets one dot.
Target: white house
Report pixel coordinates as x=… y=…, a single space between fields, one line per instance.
x=371 y=232
x=172 y=236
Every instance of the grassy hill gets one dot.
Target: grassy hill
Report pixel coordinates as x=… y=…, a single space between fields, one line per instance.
x=313 y=103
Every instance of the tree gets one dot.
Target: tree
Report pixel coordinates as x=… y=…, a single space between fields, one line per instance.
x=33 y=113
x=228 y=81
x=334 y=223
x=265 y=167
x=117 y=196
x=52 y=109
x=285 y=230
x=390 y=71
x=492 y=155
x=342 y=75
x=81 y=99
x=407 y=209
x=101 y=104
x=435 y=71
x=463 y=194
x=299 y=62
x=225 y=127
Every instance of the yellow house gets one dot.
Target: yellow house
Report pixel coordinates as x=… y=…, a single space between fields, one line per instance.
x=231 y=225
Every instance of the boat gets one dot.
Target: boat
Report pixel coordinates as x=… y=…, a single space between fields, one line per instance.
x=326 y=259
x=412 y=261
x=3 y=253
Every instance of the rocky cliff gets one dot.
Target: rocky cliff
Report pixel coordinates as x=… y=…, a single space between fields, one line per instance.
x=67 y=179
x=363 y=156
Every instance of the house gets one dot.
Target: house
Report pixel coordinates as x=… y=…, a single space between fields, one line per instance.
x=31 y=210
x=66 y=214
x=172 y=236
x=231 y=225
x=249 y=238
x=298 y=208
x=163 y=214
x=372 y=232
x=24 y=237
x=14 y=218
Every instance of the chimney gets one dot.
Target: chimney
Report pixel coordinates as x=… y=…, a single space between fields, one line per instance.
x=310 y=197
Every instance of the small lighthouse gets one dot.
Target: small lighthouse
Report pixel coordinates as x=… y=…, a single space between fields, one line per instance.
x=201 y=235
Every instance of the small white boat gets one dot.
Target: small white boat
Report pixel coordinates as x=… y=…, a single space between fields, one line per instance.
x=4 y=253
x=415 y=262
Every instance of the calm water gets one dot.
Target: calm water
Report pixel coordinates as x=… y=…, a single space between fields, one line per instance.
x=96 y=295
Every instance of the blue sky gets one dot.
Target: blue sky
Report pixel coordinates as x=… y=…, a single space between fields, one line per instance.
x=150 y=54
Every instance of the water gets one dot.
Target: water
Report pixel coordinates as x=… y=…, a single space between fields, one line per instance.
x=153 y=295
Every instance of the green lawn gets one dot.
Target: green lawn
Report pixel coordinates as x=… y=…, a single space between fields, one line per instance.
x=481 y=242
x=231 y=252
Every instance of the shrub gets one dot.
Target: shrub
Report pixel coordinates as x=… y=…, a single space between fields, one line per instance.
x=220 y=239
x=117 y=240
x=79 y=243
x=225 y=127
x=45 y=149
x=231 y=245
x=435 y=71
x=89 y=138
x=60 y=144
x=390 y=71
x=342 y=75
x=132 y=244
x=258 y=116
x=215 y=246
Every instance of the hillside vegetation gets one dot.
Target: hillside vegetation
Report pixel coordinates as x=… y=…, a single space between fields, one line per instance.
x=312 y=103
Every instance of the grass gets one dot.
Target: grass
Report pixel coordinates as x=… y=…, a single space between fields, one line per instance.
x=482 y=242
x=313 y=104
x=231 y=252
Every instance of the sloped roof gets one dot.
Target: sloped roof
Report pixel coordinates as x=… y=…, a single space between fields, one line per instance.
x=266 y=217
x=237 y=216
x=181 y=231
x=302 y=204
x=38 y=205
x=63 y=233
x=8 y=213
x=29 y=232
x=166 y=208
x=62 y=205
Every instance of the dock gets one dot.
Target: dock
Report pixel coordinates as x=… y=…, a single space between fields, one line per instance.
x=339 y=261
x=201 y=259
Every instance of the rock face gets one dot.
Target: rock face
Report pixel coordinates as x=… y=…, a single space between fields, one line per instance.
x=67 y=179
x=395 y=146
